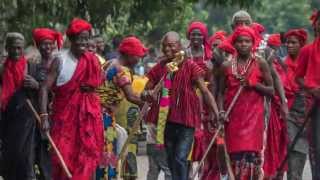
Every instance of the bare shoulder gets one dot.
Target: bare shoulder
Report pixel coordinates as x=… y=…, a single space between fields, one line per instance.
x=261 y=62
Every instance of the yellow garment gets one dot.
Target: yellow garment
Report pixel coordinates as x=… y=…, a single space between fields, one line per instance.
x=137 y=86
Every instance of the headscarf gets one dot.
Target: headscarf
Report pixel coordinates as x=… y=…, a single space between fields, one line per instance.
x=274 y=40
x=258 y=29
x=132 y=46
x=204 y=31
x=301 y=34
x=217 y=35
x=227 y=47
x=77 y=26
x=244 y=31
x=40 y=34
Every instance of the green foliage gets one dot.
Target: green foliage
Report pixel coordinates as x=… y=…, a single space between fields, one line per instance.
x=148 y=19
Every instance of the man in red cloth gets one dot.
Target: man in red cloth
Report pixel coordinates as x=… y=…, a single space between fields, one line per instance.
x=76 y=125
x=47 y=41
x=245 y=125
x=17 y=126
x=307 y=76
x=184 y=106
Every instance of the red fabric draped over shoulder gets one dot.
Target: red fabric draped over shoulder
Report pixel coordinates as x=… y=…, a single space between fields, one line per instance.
x=77 y=125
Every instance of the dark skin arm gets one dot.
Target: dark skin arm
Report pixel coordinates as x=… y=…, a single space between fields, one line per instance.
x=265 y=88
x=207 y=96
x=130 y=96
x=222 y=86
x=45 y=87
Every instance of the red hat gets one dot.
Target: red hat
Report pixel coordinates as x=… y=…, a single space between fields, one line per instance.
x=204 y=31
x=259 y=28
x=243 y=31
x=40 y=34
x=77 y=26
x=132 y=46
x=301 y=34
x=217 y=35
x=274 y=40
x=227 y=47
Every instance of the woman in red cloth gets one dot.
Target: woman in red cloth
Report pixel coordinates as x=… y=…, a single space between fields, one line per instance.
x=46 y=40
x=76 y=125
x=245 y=126
x=307 y=75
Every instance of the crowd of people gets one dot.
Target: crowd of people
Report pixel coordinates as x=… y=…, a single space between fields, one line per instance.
x=244 y=105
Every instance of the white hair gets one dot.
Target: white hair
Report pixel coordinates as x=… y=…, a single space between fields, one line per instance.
x=241 y=14
x=11 y=36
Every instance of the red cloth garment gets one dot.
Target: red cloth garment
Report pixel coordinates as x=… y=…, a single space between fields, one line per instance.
x=288 y=79
x=258 y=29
x=184 y=103
x=277 y=140
x=274 y=40
x=308 y=66
x=244 y=31
x=227 y=47
x=77 y=126
x=40 y=34
x=301 y=34
x=12 y=79
x=246 y=119
x=217 y=35
x=204 y=31
x=77 y=26
x=132 y=46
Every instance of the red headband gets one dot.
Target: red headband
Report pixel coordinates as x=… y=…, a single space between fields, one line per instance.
x=77 y=26
x=40 y=34
x=132 y=46
x=217 y=35
x=301 y=34
x=274 y=40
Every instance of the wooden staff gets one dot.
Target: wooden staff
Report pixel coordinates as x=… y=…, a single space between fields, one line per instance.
x=220 y=127
x=56 y=150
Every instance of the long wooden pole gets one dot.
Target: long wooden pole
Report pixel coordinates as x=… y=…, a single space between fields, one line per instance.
x=56 y=150
x=235 y=98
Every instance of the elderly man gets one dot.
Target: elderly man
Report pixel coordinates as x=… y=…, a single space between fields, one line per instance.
x=176 y=114
x=18 y=123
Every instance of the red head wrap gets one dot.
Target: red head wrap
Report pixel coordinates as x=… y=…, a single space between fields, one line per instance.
x=227 y=47
x=301 y=34
x=40 y=34
x=204 y=31
x=132 y=46
x=274 y=40
x=259 y=28
x=314 y=17
x=217 y=35
x=77 y=26
x=244 y=31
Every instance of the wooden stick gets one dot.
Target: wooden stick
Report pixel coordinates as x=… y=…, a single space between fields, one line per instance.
x=56 y=150
x=235 y=98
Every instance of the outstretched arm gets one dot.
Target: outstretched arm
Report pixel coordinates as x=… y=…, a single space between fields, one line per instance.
x=207 y=96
